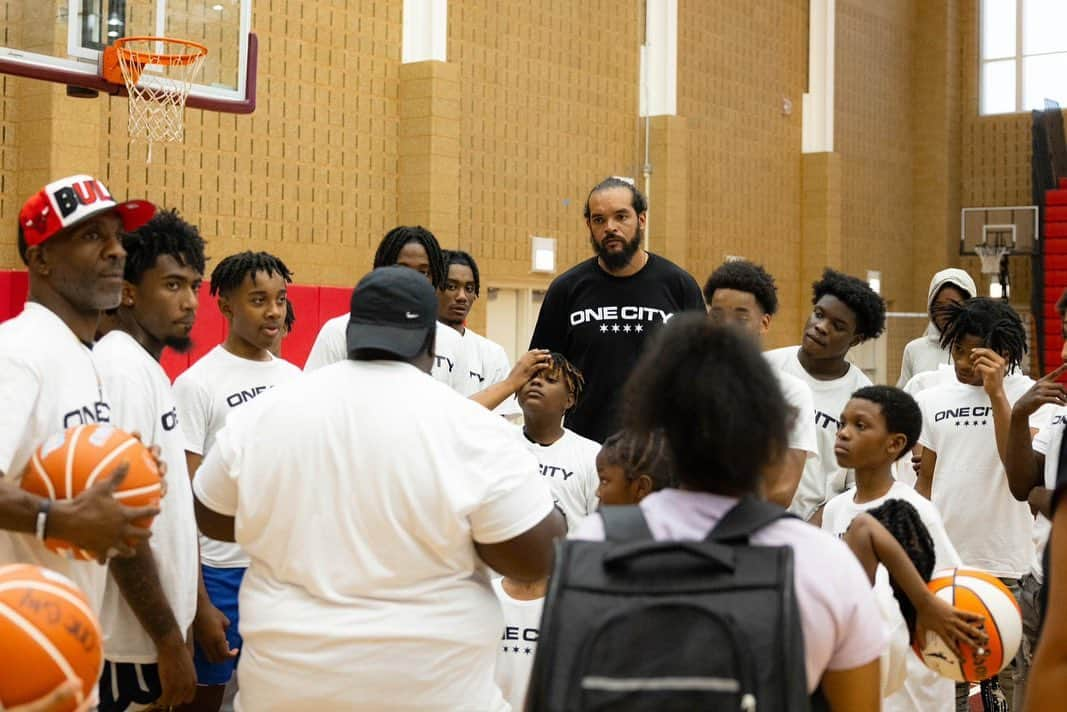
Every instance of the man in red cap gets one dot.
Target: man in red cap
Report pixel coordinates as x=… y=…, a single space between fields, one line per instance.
x=69 y=239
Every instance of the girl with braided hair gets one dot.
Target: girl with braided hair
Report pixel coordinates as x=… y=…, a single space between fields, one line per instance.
x=632 y=466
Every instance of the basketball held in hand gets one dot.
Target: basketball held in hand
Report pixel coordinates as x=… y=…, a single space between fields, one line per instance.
x=68 y=463
x=984 y=594
x=48 y=636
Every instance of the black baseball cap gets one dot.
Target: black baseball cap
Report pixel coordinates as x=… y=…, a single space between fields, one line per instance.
x=393 y=309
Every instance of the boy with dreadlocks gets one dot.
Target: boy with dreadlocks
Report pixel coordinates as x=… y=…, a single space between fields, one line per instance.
x=845 y=313
x=418 y=249
x=567 y=459
x=879 y=425
x=964 y=438
x=251 y=288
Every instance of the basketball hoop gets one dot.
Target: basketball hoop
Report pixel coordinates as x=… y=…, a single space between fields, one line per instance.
x=991 y=257
x=157 y=106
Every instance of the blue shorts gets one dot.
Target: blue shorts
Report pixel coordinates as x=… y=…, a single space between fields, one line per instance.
x=222 y=587
x=125 y=684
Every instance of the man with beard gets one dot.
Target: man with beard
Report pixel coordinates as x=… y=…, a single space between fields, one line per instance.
x=150 y=599
x=600 y=312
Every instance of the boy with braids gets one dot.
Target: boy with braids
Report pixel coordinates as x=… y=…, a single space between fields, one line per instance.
x=845 y=313
x=418 y=249
x=150 y=600
x=251 y=288
x=879 y=425
x=567 y=460
x=965 y=437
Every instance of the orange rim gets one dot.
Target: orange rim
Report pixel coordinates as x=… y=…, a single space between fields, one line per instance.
x=197 y=50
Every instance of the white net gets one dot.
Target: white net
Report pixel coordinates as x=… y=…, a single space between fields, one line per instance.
x=157 y=73
x=991 y=255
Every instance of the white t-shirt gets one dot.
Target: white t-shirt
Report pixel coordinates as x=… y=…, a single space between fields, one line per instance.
x=838 y=611
x=384 y=598
x=990 y=528
x=487 y=364
x=923 y=689
x=206 y=394
x=142 y=401
x=517 y=646
x=822 y=477
x=903 y=470
x=802 y=435
x=1047 y=442
x=48 y=383
x=569 y=467
x=331 y=346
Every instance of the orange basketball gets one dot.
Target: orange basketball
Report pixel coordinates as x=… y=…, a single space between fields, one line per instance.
x=70 y=462
x=48 y=635
x=975 y=592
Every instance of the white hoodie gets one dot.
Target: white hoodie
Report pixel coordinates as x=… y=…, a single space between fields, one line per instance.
x=925 y=353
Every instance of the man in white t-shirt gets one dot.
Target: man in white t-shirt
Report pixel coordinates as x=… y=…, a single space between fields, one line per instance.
x=567 y=460
x=487 y=362
x=68 y=237
x=417 y=249
x=384 y=600
x=846 y=312
x=150 y=599
x=744 y=294
x=251 y=288
x=965 y=437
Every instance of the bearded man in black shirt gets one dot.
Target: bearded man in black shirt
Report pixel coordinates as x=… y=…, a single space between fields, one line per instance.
x=600 y=312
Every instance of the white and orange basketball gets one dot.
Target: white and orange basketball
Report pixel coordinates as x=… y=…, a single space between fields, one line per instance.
x=70 y=462
x=975 y=592
x=48 y=635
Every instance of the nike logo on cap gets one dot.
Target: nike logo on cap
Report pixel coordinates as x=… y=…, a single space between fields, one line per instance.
x=409 y=315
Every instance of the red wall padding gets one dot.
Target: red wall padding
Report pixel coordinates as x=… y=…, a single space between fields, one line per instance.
x=312 y=304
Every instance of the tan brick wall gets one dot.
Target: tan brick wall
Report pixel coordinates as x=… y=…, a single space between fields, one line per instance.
x=539 y=101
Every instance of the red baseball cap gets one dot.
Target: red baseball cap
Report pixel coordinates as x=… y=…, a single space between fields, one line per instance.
x=70 y=200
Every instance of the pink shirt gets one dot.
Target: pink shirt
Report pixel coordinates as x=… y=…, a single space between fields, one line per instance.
x=838 y=611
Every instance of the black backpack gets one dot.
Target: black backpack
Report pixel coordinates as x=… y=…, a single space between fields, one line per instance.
x=631 y=623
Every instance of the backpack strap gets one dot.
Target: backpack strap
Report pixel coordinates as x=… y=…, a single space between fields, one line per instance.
x=746 y=518
x=624 y=523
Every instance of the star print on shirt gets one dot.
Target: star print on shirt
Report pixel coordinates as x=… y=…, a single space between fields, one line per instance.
x=626 y=328
x=639 y=328
x=615 y=328
x=603 y=328
x=527 y=651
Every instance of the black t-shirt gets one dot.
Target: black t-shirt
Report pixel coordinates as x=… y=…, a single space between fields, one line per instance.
x=601 y=323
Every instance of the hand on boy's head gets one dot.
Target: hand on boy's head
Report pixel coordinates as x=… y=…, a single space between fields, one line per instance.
x=529 y=364
x=1045 y=390
x=991 y=367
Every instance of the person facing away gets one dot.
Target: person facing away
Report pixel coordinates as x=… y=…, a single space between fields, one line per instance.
x=367 y=522
x=566 y=459
x=630 y=468
x=150 y=599
x=925 y=353
x=719 y=406
x=845 y=313
x=251 y=290
x=743 y=294
x=880 y=425
x=601 y=312
x=965 y=440
x=69 y=240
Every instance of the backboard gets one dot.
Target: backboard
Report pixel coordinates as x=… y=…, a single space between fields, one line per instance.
x=1013 y=227
x=62 y=41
